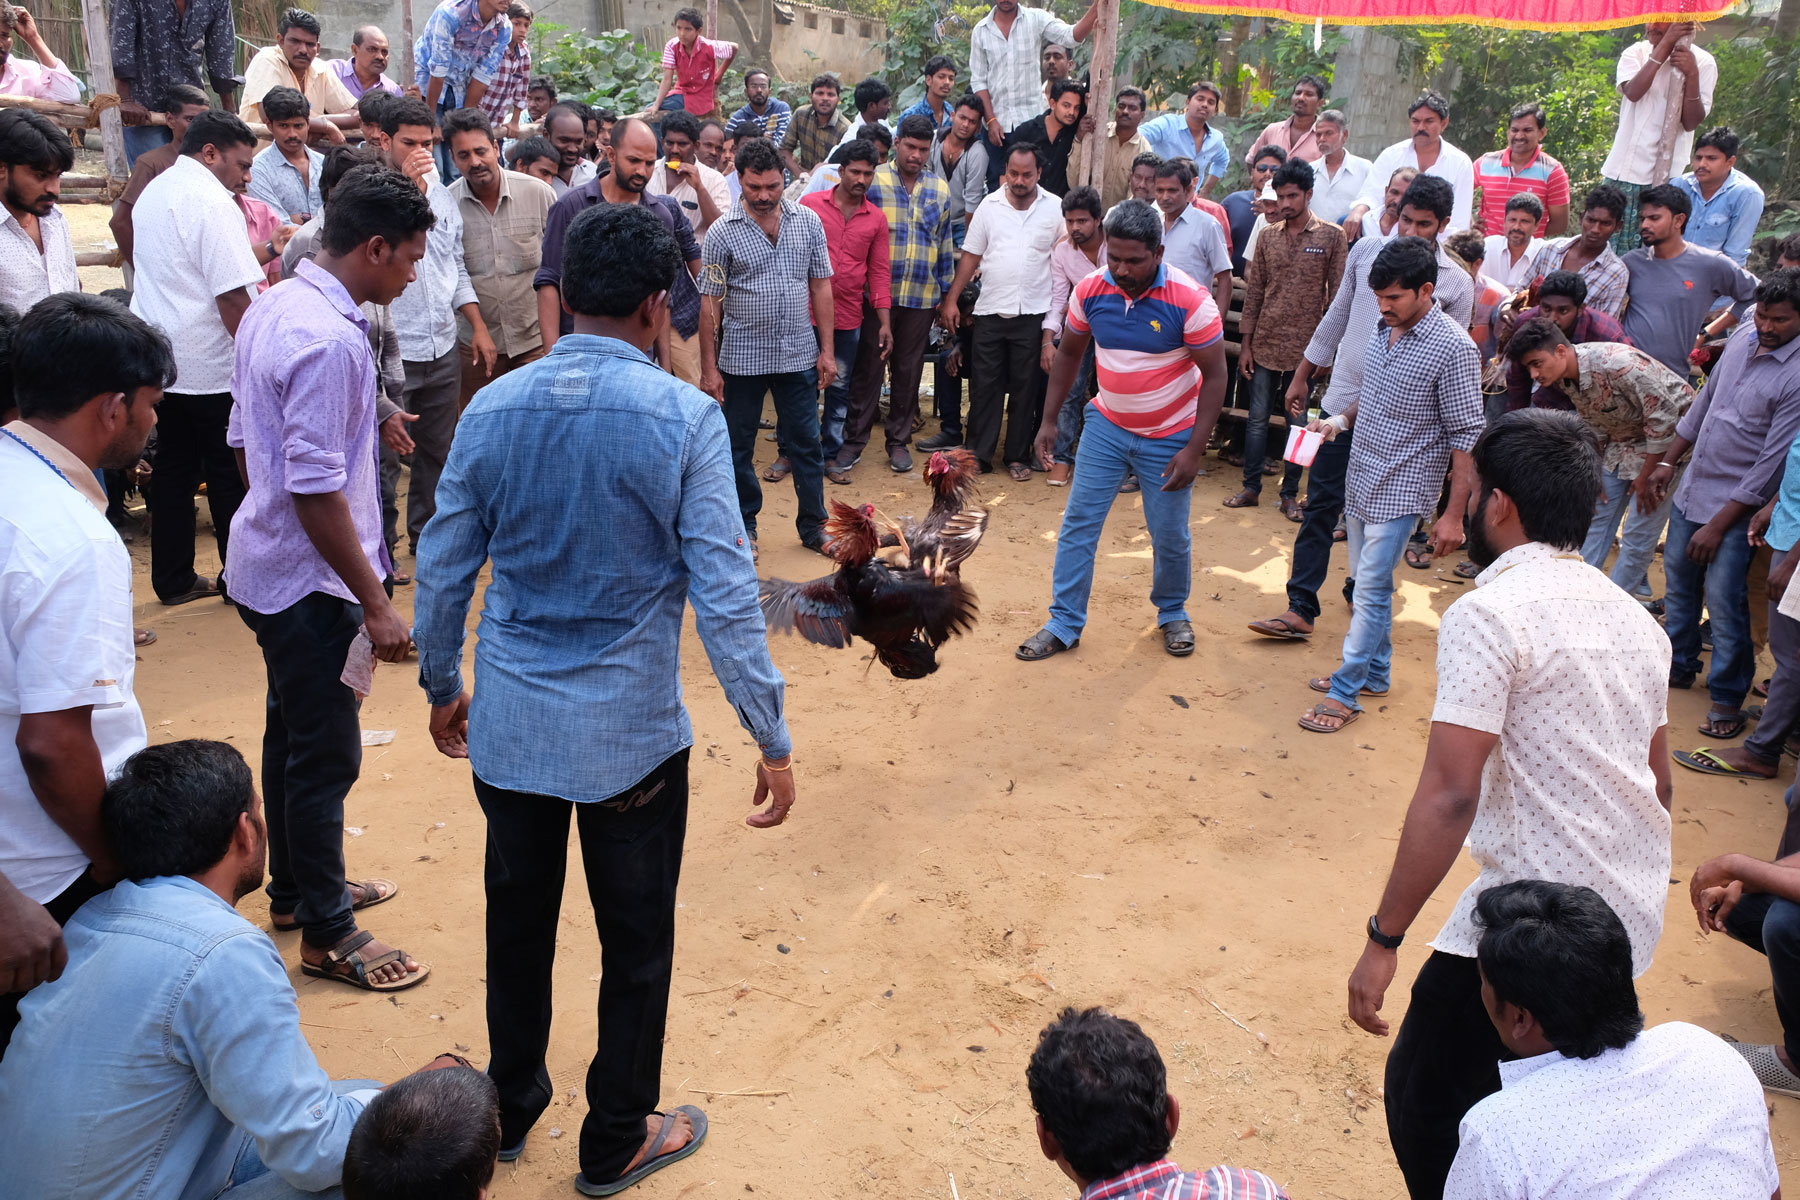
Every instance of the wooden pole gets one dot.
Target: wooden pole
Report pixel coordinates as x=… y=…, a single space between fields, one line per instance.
x=1100 y=75
x=406 y=43
x=100 y=75
x=712 y=17
x=81 y=114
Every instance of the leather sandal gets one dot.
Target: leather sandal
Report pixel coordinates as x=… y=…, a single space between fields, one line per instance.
x=1178 y=638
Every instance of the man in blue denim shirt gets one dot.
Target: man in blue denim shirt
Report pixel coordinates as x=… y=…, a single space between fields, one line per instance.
x=595 y=557
x=1727 y=202
x=167 y=1062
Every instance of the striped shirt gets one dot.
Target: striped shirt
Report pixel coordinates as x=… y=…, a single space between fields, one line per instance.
x=919 y=247
x=1163 y=1180
x=1543 y=177
x=1149 y=384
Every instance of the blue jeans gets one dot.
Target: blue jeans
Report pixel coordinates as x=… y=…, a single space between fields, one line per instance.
x=796 y=396
x=447 y=103
x=251 y=1179
x=1069 y=417
x=1375 y=550
x=837 y=396
x=1107 y=454
x=1637 y=546
x=1770 y=925
x=1723 y=587
x=140 y=139
x=1268 y=395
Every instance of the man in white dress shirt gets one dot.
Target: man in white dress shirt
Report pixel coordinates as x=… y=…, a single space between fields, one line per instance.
x=1339 y=174
x=1512 y=254
x=1548 y=753
x=37 y=256
x=1594 y=1106
x=1427 y=150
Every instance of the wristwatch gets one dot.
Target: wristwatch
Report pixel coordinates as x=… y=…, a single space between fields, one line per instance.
x=1385 y=941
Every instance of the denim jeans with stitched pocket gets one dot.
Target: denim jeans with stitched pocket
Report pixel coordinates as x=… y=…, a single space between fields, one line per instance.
x=1376 y=549
x=1722 y=585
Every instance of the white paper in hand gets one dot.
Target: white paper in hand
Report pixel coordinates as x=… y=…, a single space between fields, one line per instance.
x=359 y=665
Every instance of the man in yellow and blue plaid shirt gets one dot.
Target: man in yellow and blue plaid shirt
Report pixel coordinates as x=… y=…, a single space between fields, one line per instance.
x=917 y=206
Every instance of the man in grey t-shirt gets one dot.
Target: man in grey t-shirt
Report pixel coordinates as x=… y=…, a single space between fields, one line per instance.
x=1675 y=285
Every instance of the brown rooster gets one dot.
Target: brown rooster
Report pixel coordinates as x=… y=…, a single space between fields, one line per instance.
x=952 y=528
x=906 y=611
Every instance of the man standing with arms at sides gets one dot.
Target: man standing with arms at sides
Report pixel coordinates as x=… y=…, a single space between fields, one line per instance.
x=1298 y=135
x=425 y=315
x=293 y=61
x=285 y=173
x=1418 y=413
x=1422 y=212
x=1667 y=87
x=940 y=80
x=1009 y=242
x=1427 y=150
x=760 y=265
x=1077 y=255
x=1548 y=754
x=634 y=160
x=194 y=266
x=156 y=45
x=564 y=129
x=1740 y=428
x=503 y=215
x=1338 y=175
x=185 y=103
x=922 y=258
x=1193 y=241
x=366 y=68
x=1590 y=254
x=1124 y=142
x=1162 y=382
x=1005 y=48
x=1727 y=203
x=1290 y=284
x=86 y=376
x=856 y=236
x=1187 y=135
x=1519 y=170
x=656 y=517
x=312 y=557
x=1675 y=284
x=814 y=134
x=37 y=255
x=762 y=115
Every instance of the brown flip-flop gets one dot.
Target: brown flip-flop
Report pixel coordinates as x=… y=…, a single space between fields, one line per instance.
x=374 y=891
x=1314 y=720
x=344 y=963
x=776 y=471
x=1282 y=629
x=1323 y=684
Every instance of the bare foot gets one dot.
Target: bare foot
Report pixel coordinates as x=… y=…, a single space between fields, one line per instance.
x=680 y=1134
x=1740 y=759
x=391 y=973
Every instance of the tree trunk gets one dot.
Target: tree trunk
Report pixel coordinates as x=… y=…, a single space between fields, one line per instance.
x=1229 y=53
x=757 y=39
x=1787 y=21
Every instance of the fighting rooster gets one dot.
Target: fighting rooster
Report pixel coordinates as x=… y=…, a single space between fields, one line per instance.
x=951 y=529
x=905 y=607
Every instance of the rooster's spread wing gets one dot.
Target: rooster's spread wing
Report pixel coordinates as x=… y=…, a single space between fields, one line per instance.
x=818 y=611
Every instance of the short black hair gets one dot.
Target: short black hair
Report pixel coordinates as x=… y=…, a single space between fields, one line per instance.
x=755 y=71
x=1296 y=171
x=825 y=79
x=1468 y=245
x=615 y=257
x=1207 y=85
x=1135 y=221
x=1610 y=198
x=182 y=95
x=1148 y=158
x=1101 y=1089
x=1131 y=93
x=1567 y=284
x=1780 y=287
x=285 y=104
x=1082 y=199
x=217 y=129
x=72 y=347
x=468 y=120
x=297 y=18
x=1558 y=950
x=1274 y=152
x=1432 y=100
x=374 y=201
x=542 y=83
x=1535 y=335
x=1428 y=193
x=1532 y=109
x=434 y=1135
x=339 y=162
x=917 y=126
x=870 y=91
x=874 y=131
x=373 y=103
x=528 y=150
x=1721 y=139
x=1177 y=168
x=1410 y=262
x=172 y=808
x=1666 y=195
x=1062 y=87
x=564 y=108
x=406 y=110
x=1032 y=148
x=691 y=16
x=1788 y=248
x=1526 y=202
x=970 y=100
x=858 y=150
x=1316 y=83
x=936 y=63
x=1548 y=462
x=681 y=124
x=30 y=139
x=518 y=9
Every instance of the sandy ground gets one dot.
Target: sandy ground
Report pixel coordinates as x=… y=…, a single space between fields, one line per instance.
x=970 y=853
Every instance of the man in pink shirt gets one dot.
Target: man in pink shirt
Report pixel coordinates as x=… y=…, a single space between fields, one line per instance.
x=1078 y=254
x=45 y=79
x=1298 y=134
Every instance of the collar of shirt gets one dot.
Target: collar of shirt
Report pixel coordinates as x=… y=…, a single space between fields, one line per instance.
x=1144 y=1178
x=329 y=286
x=1528 y=552
x=1514 y=1070
x=63 y=459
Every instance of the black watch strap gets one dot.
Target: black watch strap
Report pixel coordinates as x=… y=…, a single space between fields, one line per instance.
x=1385 y=941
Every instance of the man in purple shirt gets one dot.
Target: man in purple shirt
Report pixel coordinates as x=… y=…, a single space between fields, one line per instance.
x=365 y=69
x=1562 y=298
x=309 y=569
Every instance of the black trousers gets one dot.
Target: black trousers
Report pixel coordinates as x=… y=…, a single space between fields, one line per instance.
x=1446 y=1059
x=60 y=907
x=911 y=328
x=311 y=756
x=1003 y=369
x=631 y=852
x=1312 y=545
x=190 y=447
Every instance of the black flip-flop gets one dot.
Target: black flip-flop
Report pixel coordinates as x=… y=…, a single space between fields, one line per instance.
x=1725 y=730
x=1418 y=557
x=653 y=1161
x=1286 y=633
x=1707 y=761
x=203 y=589
x=1042 y=645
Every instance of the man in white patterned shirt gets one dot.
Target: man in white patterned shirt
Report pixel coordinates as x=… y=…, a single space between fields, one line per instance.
x=1595 y=1106
x=37 y=256
x=1548 y=753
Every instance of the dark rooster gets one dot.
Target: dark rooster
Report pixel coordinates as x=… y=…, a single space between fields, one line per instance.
x=952 y=528
x=906 y=610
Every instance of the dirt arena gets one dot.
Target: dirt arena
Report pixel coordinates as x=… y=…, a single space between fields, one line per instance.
x=857 y=993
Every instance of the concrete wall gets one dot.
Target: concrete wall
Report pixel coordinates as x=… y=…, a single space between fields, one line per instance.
x=1372 y=90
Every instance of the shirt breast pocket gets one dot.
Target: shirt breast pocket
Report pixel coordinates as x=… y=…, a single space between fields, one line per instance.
x=516 y=254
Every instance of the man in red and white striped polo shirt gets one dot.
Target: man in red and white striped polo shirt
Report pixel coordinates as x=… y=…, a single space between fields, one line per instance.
x=1159 y=348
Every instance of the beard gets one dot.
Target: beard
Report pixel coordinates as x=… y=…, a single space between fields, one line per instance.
x=1480 y=548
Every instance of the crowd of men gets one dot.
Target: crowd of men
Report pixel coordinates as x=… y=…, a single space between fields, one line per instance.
x=472 y=280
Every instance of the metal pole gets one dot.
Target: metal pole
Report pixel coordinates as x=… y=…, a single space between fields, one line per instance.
x=1106 y=41
x=100 y=74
